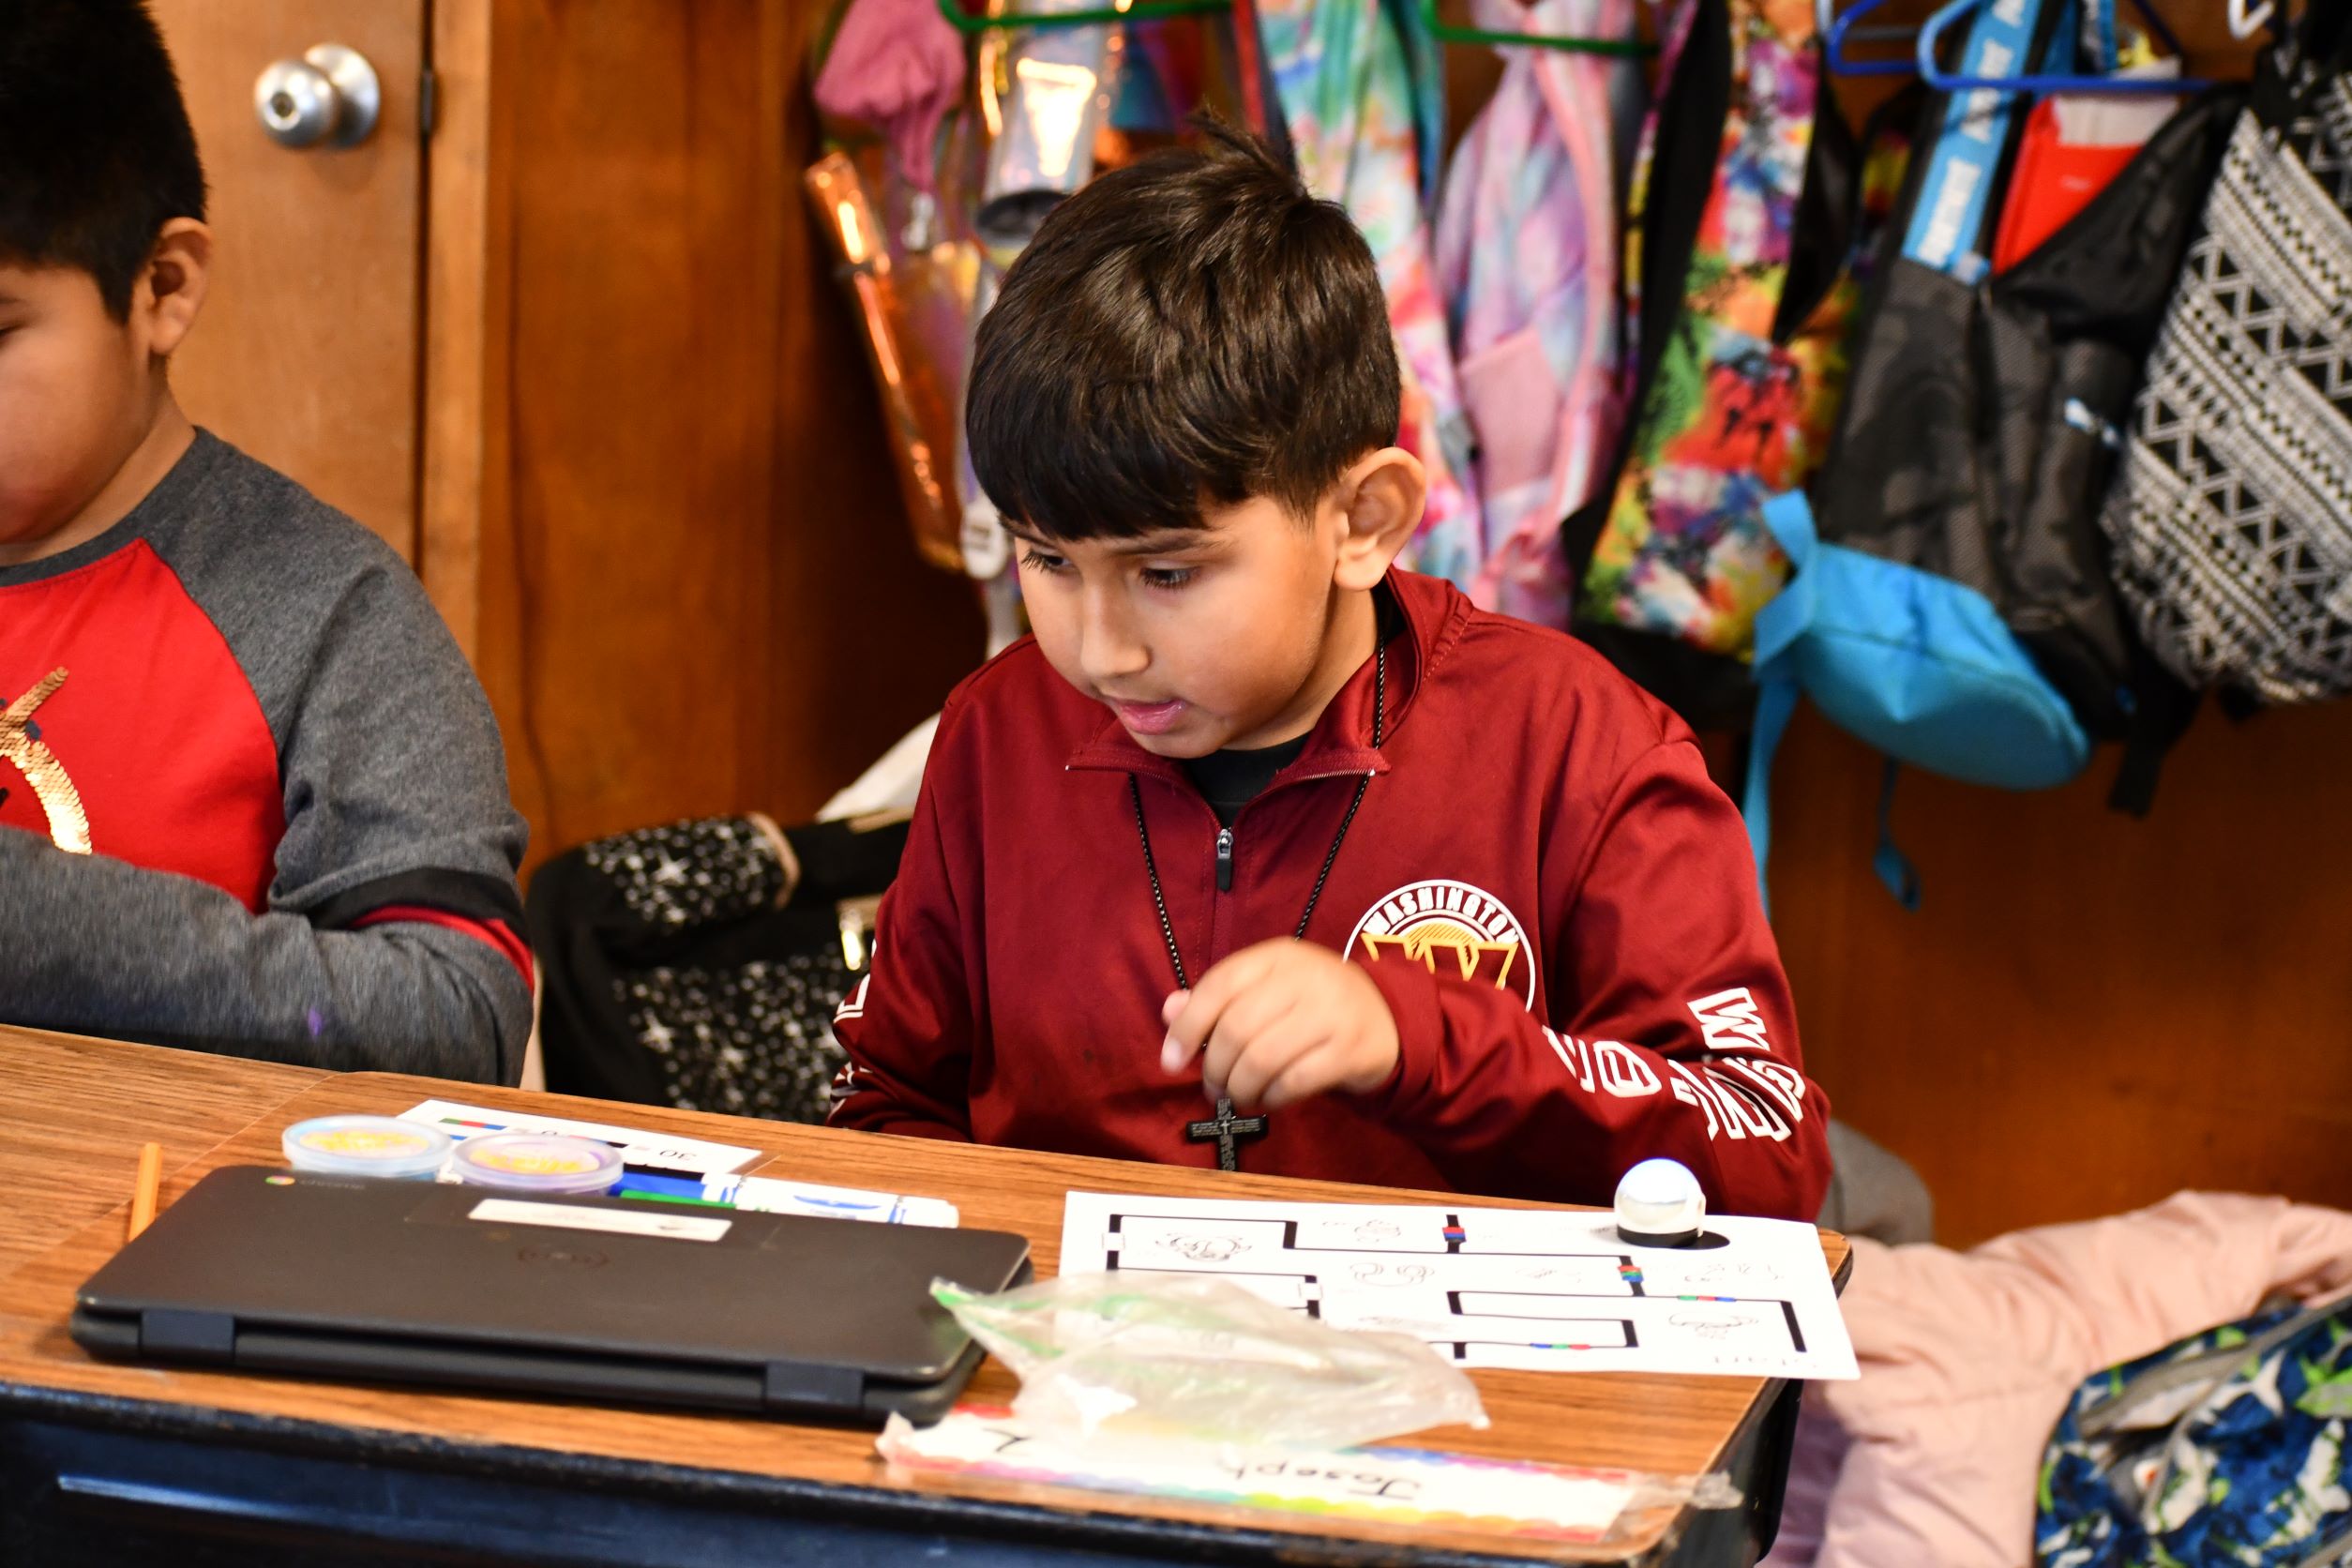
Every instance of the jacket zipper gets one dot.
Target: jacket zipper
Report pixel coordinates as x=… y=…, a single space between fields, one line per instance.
x=1226 y=839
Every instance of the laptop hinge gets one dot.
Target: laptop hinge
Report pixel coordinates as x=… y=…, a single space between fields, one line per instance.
x=187 y=1335
x=798 y=1385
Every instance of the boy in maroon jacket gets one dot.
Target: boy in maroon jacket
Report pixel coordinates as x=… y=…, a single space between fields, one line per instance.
x=1262 y=850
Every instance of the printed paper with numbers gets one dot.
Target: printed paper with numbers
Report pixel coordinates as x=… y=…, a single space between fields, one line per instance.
x=1536 y=1289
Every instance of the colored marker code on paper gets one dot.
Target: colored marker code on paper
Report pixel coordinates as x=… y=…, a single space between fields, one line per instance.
x=639 y=1149
x=660 y=1168
x=1408 y=1486
x=779 y=1195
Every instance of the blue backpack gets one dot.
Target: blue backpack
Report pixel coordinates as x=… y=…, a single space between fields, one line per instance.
x=2226 y=1447
x=1919 y=665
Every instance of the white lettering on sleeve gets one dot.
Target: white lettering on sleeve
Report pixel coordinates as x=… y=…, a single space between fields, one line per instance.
x=1780 y=1083
x=1692 y=1092
x=1747 y=1113
x=1623 y=1073
x=1574 y=1056
x=1729 y=1020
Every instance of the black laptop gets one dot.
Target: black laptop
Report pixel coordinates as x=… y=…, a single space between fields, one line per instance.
x=597 y=1298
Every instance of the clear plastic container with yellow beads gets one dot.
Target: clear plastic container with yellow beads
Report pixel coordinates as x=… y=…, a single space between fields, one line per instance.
x=548 y=1164
x=380 y=1146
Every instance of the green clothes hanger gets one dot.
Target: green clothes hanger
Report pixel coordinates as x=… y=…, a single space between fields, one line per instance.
x=1144 y=10
x=1445 y=31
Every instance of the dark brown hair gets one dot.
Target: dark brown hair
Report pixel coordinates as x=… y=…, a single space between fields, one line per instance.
x=96 y=151
x=1192 y=329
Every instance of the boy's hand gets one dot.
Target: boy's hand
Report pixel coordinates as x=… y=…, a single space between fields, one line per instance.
x=1281 y=1022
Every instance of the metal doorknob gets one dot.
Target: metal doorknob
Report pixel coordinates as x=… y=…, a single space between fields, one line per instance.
x=330 y=98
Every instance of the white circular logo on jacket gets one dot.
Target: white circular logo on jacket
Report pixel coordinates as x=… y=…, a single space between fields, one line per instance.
x=1450 y=927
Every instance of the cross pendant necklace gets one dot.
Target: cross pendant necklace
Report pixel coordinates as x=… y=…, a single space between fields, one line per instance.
x=1225 y=1128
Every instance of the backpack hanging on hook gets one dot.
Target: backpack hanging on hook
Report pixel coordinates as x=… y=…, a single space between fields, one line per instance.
x=2231 y=518
x=1953 y=606
x=1735 y=373
x=1527 y=258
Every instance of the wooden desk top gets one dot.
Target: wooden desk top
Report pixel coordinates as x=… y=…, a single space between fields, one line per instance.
x=73 y=1113
x=77 y=1110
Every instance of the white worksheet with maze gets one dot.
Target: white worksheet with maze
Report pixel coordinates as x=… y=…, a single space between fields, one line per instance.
x=1534 y=1290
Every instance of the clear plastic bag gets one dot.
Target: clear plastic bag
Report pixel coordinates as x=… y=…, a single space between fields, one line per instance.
x=1114 y=1358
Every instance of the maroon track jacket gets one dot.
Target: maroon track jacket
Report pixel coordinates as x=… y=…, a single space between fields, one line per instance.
x=1558 y=904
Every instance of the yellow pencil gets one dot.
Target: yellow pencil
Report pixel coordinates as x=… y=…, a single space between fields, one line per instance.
x=143 y=1197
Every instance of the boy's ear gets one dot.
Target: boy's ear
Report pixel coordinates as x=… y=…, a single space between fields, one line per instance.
x=170 y=291
x=1380 y=497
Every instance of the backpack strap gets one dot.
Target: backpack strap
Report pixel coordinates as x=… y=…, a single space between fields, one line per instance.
x=1894 y=866
x=1783 y=620
x=2159 y=718
x=1775 y=704
x=2097 y=50
x=1779 y=628
x=1967 y=163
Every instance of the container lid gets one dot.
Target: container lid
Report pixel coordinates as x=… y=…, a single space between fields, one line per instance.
x=538 y=1161
x=365 y=1146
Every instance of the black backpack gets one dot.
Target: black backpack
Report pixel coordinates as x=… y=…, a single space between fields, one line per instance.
x=1984 y=422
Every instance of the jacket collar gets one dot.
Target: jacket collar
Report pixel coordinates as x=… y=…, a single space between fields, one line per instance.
x=1434 y=615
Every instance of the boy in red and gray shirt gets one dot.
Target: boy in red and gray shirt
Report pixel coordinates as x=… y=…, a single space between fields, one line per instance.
x=1262 y=852
x=251 y=799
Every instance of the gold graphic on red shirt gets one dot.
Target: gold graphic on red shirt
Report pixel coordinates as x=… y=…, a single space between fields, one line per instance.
x=1450 y=928
x=1462 y=951
x=21 y=744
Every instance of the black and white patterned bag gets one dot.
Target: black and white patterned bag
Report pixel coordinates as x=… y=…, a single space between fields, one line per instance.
x=2231 y=514
x=673 y=976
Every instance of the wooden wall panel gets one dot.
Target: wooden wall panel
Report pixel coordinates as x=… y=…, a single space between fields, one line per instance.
x=714 y=604
x=2086 y=1012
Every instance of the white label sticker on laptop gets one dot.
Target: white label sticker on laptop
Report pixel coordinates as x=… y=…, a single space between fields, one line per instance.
x=654 y=1222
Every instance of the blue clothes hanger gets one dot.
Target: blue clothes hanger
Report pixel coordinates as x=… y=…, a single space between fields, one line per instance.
x=1837 y=30
x=1934 y=76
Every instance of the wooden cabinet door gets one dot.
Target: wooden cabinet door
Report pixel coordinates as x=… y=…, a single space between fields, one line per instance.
x=306 y=352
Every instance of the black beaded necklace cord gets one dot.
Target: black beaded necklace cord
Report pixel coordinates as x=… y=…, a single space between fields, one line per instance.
x=1225 y=1126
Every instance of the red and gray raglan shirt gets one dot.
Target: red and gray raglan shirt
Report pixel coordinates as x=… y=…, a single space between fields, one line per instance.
x=1558 y=905
x=251 y=797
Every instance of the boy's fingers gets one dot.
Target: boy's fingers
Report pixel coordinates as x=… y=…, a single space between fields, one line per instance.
x=1269 y=1059
x=1206 y=1003
x=1173 y=1054
x=1249 y=1018
x=1308 y=1074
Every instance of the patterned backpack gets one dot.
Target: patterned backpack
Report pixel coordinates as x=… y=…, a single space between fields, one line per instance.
x=2226 y=1447
x=1749 y=198
x=2231 y=518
